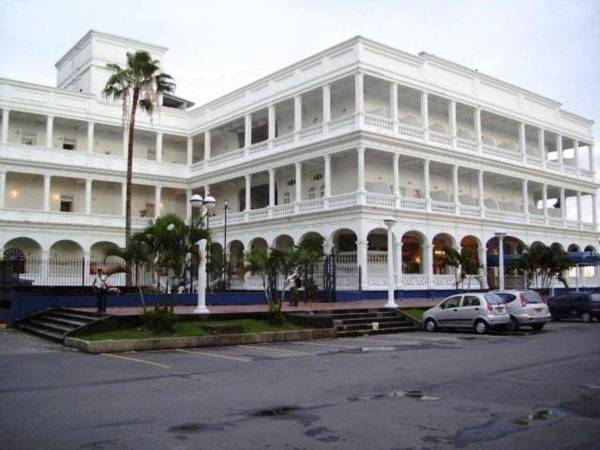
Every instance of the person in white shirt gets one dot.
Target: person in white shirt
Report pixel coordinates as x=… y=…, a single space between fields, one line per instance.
x=100 y=285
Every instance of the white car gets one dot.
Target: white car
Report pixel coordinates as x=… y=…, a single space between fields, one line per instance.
x=477 y=311
x=525 y=308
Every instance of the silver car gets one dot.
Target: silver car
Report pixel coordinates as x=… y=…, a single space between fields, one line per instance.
x=525 y=308
x=476 y=311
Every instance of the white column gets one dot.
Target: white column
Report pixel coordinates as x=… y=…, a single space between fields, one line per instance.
x=545 y=202
x=47 y=192
x=576 y=156
x=88 y=196
x=45 y=269
x=248 y=179
x=90 y=138
x=271 y=187
x=190 y=150
x=563 y=205
x=399 y=246
x=525 y=191
x=481 y=192
x=2 y=187
x=501 y=262
x=542 y=147
x=247 y=130
x=592 y=164
x=477 y=124
x=396 y=171
x=360 y=151
x=188 y=204
x=426 y=183
x=159 y=147
x=483 y=264
x=271 y=118
x=390 y=268
x=124 y=198
x=157 y=200
x=455 y=187
x=452 y=121
x=359 y=93
x=361 y=258
x=327 y=175
x=522 y=142
x=298 y=166
x=5 y=121
x=559 y=150
x=425 y=113
x=326 y=103
x=297 y=113
x=394 y=105
x=428 y=261
x=595 y=212
x=579 y=211
x=207 y=145
x=49 y=131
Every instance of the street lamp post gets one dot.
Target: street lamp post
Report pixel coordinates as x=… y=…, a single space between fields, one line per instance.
x=207 y=203
x=391 y=303
x=225 y=272
x=500 y=235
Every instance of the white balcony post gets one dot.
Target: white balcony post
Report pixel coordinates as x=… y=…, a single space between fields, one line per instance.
x=2 y=187
x=576 y=156
x=399 y=270
x=477 y=125
x=525 y=200
x=157 y=200
x=523 y=142
x=545 y=202
x=483 y=264
x=563 y=206
x=396 y=167
x=428 y=262
x=481 y=193
x=500 y=237
x=90 y=138
x=360 y=151
x=359 y=94
x=188 y=205
x=427 y=183
x=297 y=114
x=248 y=191
x=455 y=188
x=271 y=113
x=5 y=121
x=88 y=196
x=579 y=211
x=159 y=147
x=362 y=251
x=271 y=188
x=391 y=303
x=394 y=106
x=595 y=211
x=49 y=131
x=425 y=113
x=47 y=180
x=559 y=150
x=124 y=198
x=247 y=131
x=298 y=166
x=542 y=147
x=189 y=150
x=452 y=121
x=326 y=106
x=207 y=145
x=327 y=176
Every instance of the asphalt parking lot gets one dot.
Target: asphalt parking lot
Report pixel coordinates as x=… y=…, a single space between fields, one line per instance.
x=403 y=391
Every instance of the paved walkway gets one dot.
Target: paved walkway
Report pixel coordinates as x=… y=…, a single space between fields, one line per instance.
x=308 y=306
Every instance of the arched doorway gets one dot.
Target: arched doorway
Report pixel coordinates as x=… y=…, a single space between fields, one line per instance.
x=512 y=247
x=413 y=255
x=441 y=265
x=283 y=243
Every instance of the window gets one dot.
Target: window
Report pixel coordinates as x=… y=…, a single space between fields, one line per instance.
x=69 y=144
x=286 y=197
x=531 y=297
x=317 y=177
x=471 y=300
x=311 y=193
x=506 y=298
x=292 y=182
x=493 y=299
x=452 y=302
x=322 y=191
x=29 y=139
x=66 y=204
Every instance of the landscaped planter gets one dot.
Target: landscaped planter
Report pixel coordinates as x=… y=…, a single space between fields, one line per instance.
x=162 y=343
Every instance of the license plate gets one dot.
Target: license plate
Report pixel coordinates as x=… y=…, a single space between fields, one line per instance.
x=538 y=310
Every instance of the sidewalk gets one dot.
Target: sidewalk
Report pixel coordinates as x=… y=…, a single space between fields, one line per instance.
x=309 y=306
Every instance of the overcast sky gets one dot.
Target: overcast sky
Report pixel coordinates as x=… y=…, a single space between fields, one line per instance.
x=551 y=47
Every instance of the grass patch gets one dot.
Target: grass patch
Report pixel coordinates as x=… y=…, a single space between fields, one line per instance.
x=193 y=328
x=414 y=313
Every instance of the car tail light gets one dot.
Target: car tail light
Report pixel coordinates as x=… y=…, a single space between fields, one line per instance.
x=490 y=307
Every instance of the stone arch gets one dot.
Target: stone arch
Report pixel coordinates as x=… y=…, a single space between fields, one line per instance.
x=344 y=240
x=30 y=248
x=473 y=245
x=236 y=255
x=589 y=248
x=573 y=248
x=377 y=239
x=440 y=260
x=413 y=252
x=99 y=251
x=66 y=249
x=258 y=242
x=557 y=245
x=512 y=245
x=283 y=242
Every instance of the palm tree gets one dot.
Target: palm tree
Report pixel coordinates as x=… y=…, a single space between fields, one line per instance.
x=139 y=84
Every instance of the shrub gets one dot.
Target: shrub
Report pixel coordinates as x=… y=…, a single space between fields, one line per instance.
x=159 y=320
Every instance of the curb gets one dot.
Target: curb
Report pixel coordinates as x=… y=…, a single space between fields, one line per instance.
x=127 y=345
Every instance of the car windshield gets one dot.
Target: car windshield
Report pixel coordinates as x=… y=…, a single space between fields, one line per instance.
x=493 y=299
x=531 y=297
x=595 y=298
x=505 y=296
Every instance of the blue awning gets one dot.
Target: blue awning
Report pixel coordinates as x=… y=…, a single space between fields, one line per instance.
x=590 y=258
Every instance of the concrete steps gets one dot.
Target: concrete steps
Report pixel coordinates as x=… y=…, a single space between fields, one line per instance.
x=349 y=323
x=56 y=324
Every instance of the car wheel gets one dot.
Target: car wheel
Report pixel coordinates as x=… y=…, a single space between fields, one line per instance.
x=586 y=317
x=513 y=325
x=481 y=327
x=537 y=326
x=430 y=325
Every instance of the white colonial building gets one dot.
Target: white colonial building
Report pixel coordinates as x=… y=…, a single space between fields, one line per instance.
x=330 y=145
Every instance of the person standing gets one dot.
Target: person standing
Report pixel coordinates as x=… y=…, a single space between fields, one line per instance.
x=100 y=285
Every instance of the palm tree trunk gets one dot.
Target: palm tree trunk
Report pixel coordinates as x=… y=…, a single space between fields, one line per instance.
x=128 y=188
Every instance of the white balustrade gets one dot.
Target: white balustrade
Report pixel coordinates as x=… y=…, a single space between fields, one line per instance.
x=443 y=207
x=283 y=210
x=382 y=122
x=537 y=219
x=413 y=203
x=342 y=123
x=141 y=222
x=470 y=210
x=380 y=200
x=282 y=140
x=311 y=132
x=342 y=258
x=534 y=161
x=464 y=144
x=507 y=216
x=414 y=281
x=440 y=139
x=316 y=204
x=410 y=132
x=257 y=214
x=342 y=201
x=588 y=226
x=444 y=281
x=258 y=148
x=237 y=217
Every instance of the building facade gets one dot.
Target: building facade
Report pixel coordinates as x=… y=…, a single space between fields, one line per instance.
x=331 y=145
